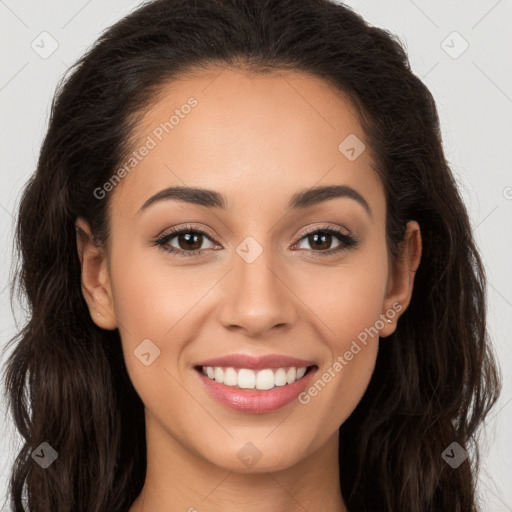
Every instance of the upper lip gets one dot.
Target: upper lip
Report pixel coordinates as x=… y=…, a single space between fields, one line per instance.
x=256 y=363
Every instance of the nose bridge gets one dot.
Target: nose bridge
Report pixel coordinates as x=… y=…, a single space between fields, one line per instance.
x=256 y=298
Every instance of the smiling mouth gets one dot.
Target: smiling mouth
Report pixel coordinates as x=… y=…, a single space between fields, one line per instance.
x=257 y=380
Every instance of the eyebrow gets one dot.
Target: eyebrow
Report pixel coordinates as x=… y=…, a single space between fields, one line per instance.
x=212 y=199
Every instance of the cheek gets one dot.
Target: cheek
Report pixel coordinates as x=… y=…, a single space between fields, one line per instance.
x=350 y=334
x=348 y=297
x=148 y=304
x=150 y=297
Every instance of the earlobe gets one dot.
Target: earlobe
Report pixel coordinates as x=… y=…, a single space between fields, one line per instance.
x=95 y=278
x=401 y=280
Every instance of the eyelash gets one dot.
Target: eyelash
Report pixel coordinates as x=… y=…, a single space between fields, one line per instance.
x=348 y=241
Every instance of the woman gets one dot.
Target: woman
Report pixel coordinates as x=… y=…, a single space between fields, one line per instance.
x=253 y=282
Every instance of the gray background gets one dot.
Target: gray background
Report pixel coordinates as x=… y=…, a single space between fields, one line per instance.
x=473 y=91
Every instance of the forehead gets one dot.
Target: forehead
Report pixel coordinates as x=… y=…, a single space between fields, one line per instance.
x=252 y=137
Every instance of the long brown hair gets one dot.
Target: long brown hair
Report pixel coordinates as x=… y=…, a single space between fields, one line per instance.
x=435 y=378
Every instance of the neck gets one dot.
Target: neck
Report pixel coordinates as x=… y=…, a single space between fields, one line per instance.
x=179 y=480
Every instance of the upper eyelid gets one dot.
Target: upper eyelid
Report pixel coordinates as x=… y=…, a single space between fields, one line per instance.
x=313 y=229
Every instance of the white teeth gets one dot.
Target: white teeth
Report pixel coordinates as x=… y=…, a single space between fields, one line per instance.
x=219 y=374
x=280 y=377
x=262 y=380
x=230 y=377
x=265 y=379
x=246 y=379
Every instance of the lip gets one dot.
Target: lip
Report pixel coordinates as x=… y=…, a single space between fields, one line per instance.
x=253 y=401
x=256 y=363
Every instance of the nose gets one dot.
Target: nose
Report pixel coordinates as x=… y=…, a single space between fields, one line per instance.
x=257 y=298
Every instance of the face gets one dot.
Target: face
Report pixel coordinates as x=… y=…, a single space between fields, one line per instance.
x=270 y=262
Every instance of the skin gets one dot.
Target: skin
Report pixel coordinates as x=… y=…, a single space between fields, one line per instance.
x=258 y=140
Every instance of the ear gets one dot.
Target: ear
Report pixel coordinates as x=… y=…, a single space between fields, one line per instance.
x=95 y=278
x=401 y=278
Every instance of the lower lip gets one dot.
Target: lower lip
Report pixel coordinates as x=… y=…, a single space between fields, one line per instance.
x=252 y=401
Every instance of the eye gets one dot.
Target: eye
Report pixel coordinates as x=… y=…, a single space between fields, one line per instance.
x=322 y=238
x=189 y=241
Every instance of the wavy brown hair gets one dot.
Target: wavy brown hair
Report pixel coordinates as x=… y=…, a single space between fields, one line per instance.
x=435 y=378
